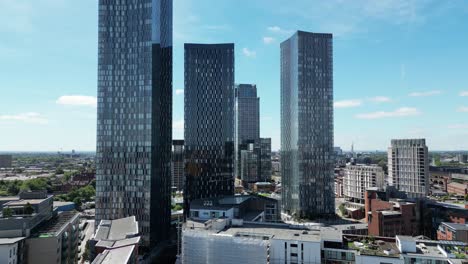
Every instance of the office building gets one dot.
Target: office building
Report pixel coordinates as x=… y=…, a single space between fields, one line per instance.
x=6 y=161
x=408 y=167
x=358 y=178
x=252 y=208
x=247 y=111
x=134 y=127
x=307 y=153
x=265 y=159
x=224 y=241
x=177 y=166
x=255 y=163
x=390 y=218
x=209 y=121
x=56 y=241
x=25 y=212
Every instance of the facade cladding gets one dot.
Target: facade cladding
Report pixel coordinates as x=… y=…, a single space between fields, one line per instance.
x=307 y=157
x=209 y=121
x=408 y=167
x=134 y=129
x=177 y=167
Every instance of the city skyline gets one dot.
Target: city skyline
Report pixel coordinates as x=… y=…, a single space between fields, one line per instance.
x=393 y=77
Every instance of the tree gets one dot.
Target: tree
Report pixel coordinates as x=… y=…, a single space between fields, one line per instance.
x=466 y=197
x=342 y=209
x=59 y=170
x=86 y=255
x=28 y=209
x=7 y=212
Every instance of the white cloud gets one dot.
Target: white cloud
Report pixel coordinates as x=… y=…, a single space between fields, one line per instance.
x=249 y=53
x=179 y=91
x=77 y=100
x=463 y=109
x=400 y=112
x=458 y=126
x=268 y=40
x=178 y=125
x=423 y=94
x=30 y=117
x=276 y=29
x=347 y=103
x=380 y=99
x=464 y=93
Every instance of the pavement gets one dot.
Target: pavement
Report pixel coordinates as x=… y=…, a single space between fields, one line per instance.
x=88 y=231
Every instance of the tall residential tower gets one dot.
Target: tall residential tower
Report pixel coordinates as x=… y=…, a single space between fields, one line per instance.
x=209 y=121
x=408 y=167
x=307 y=157
x=134 y=125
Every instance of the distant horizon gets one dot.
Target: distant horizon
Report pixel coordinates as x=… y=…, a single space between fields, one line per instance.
x=93 y=151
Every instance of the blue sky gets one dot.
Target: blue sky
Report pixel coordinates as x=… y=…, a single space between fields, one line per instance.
x=400 y=67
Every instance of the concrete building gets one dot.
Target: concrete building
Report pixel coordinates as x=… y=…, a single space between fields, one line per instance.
x=134 y=115
x=307 y=154
x=390 y=218
x=209 y=121
x=12 y=250
x=20 y=215
x=358 y=178
x=462 y=158
x=177 y=165
x=408 y=167
x=121 y=255
x=218 y=241
x=115 y=234
x=6 y=161
x=55 y=241
x=252 y=208
x=452 y=232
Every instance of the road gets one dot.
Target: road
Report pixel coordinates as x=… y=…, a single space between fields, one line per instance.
x=89 y=230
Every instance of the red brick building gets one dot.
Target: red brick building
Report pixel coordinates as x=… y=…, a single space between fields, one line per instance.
x=390 y=218
x=451 y=231
x=457 y=188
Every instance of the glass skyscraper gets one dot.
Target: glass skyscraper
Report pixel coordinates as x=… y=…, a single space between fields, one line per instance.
x=307 y=157
x=134 y=126
x=247 y=113
x=209 y=121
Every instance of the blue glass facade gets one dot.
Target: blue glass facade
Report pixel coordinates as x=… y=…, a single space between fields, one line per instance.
x=134 y=126
x=307 y=157
x=209 y=121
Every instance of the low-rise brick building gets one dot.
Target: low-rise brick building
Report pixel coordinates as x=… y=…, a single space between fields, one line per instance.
x=453 y=232
x=457 y=188
x=390 y=218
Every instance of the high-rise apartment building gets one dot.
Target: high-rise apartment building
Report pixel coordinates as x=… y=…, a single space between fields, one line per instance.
x=209 y=121
x=177 y=166
x=408 y=167
x=358 y=178
x=307 y=157
x=134 y=127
